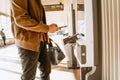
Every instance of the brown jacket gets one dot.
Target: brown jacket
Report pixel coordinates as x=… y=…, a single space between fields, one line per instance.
x=28 y=21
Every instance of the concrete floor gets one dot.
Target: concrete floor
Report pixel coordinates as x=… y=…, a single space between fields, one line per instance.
x=10 y=67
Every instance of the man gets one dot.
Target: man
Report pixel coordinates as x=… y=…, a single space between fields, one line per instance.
x=3 y=37
x=30 y=32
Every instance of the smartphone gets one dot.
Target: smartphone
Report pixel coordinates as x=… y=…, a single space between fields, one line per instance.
x=62 y=27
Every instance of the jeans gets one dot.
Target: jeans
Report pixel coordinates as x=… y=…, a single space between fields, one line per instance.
x=30 y=60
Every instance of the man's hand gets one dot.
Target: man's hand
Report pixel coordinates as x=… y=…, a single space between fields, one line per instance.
x=53 y=28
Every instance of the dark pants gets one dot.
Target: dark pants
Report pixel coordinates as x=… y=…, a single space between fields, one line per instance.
x=4 y=40
x=30 y=60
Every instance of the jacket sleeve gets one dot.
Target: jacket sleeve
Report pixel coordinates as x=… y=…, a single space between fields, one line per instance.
x=23 y=19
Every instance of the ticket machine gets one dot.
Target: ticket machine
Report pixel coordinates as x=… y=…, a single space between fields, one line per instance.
x=81 y=17
x=85 y=22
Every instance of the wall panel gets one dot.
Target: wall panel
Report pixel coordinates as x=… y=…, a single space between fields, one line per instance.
x=111 y=39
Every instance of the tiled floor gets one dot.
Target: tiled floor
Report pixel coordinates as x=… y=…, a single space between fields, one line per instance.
x=10 y=67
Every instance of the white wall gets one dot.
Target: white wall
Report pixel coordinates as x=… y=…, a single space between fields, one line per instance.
x=5 y=6
x=61 y=17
